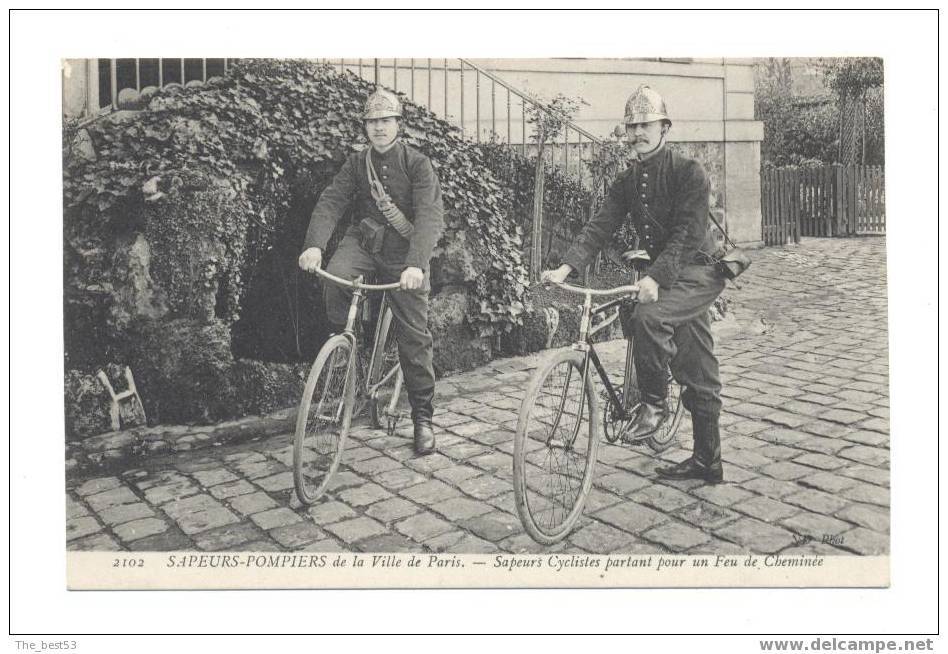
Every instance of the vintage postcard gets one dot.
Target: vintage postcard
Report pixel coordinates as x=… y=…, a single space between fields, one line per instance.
x=237 y=418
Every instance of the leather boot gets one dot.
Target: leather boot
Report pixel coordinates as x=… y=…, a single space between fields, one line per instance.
x=651 y=415
x=421 y=412
x=705 y=462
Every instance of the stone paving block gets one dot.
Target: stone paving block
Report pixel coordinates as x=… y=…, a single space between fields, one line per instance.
x=663 y=498
x=228 y=537
x=100 y=542
x=359 y=453
x=392 y=509
x=278 y=482
x=867 y=437
x=818 y=398
x=258 y=546
x=116 y=515
x=706 y=515
x=508 y=503
x=464 y=450
x=423 y=527
x=329 y=512
x=786 y=471
x=363 y=495
x=819 y=461
x=388 y=543
x=816 y=501
x=223 y=491
x=631 y=517
x=677 y=537
x=828 y=482
x=823 y=428
x=721 y=494
x=442 y=542
x=398 y=479
x=877 y=476
x=456 y=474
x=460 y=508
x=873 y=456
x=842 y=416
x=372 y=467
x=597 y=499
x=747 y=428
x=787 y=419
x=868 y=494
x=621 y=483
x=167 y=541
x=428 y=464
x=326 y=545
x=717 y=546
x=110 y=498
x=430 y=492
x=357 y=529
x=868 y=516
x=745 y=458
x=98 y=485
x=522 y=544
x=475 y=427
x=780 y=453
x=484 y=486
x=494 y=526
x=344 y=479
x=748 y=410
x=865 y=541
x=297 y=535
x=213 y=477
x=172 y=491
x=252 y=503
x=765 y=509
x=469 y=544
x=79 y=527
x=756 y=536
x=258 y=469
x=139 y=529
x=601 y=538
x=75 y=509
x=816 y=526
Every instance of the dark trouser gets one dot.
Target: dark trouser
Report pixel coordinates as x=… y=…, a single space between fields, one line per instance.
x=410 y=309
x=675 y=332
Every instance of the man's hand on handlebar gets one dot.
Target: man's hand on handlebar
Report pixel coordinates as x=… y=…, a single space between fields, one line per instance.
x=412 y=278
x=311 y=259
x=558 y=275
x=648 y=290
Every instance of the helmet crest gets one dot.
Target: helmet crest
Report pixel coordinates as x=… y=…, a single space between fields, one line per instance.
x=645 y=106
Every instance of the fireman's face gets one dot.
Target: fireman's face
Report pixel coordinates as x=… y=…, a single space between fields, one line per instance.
x=645 y=137
x=381 y=131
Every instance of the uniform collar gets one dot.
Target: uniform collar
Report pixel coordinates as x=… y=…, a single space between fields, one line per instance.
x=396 y=145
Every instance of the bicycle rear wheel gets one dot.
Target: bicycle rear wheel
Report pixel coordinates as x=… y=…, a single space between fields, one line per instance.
x=322 y=423
x=555 y=447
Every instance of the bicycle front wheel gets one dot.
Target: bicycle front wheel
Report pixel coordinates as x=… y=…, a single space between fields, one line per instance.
x=555 y=447
x=322 y=423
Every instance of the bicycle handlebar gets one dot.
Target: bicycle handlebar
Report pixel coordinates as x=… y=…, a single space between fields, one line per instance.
x=360 y=285
x=631 y=289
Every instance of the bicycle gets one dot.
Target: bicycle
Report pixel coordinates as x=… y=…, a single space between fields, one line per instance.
x=333 y=392
x=557 y=439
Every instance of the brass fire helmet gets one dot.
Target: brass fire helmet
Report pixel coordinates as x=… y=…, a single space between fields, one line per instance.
x=382 y=104
x=645 y=106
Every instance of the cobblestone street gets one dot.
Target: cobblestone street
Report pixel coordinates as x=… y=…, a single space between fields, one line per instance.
x=805 y=441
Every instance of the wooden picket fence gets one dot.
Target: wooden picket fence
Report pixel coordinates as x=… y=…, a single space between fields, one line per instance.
x=821 y=201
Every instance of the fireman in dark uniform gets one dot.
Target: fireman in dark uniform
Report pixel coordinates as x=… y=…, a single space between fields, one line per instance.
x=667 y=197
x=398 y=219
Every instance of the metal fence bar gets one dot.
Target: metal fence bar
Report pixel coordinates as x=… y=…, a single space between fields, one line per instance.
x=429 y=83
x=113 y=75
x=412 y=60
x=477 y=106
x=462 y=97
x=395 y=75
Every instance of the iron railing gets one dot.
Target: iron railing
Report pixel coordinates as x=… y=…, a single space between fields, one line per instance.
x=122 y=81
x=458 y=80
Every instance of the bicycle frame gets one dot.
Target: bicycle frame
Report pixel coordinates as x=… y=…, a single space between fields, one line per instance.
x=358 y=296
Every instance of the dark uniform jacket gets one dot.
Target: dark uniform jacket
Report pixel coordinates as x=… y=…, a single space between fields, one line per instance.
x=408 y=178
x=667 y=198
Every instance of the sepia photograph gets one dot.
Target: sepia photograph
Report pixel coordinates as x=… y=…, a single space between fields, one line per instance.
x=577 y=318
x=623 y=307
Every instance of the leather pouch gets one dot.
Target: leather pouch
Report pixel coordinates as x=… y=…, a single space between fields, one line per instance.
x=372 y=235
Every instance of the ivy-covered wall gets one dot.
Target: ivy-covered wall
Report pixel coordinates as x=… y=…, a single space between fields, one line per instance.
x=184 y=221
